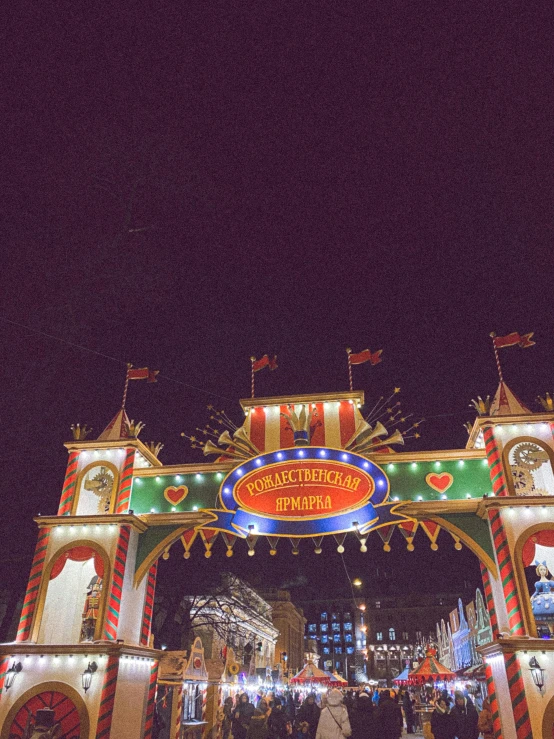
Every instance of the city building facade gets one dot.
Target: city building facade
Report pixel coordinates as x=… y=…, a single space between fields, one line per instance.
x=289 y=620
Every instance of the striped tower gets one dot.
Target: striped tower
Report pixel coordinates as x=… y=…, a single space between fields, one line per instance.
x=114 y=600
x=148 y=606
x=107 y=698
x=499 y=487
x=69 y=485
x=513 y=606
x=35 y=578
x=491 y=691
x=489 y=600
x=151 y=704
x=517 y=695
x=178 y=712
x=124 y=492
x=4 y=665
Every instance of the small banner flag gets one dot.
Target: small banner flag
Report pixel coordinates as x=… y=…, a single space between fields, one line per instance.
x=366 y=356
x=514 y=339
x=142 y=373
x=265 y=361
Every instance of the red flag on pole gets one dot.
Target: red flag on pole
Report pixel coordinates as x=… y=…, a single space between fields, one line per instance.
x=142 y=373
x=514 y=339
x=265 y=361
x=366 y=356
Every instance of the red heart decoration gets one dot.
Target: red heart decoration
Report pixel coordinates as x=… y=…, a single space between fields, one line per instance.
x=176 y=495
x=439 y=481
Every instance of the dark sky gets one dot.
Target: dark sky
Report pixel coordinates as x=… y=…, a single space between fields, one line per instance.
x=186 y=185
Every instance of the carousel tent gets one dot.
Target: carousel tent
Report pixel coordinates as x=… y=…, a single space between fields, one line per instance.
x=403 y=678
x=430 y=670
x=311 y=674
x=338 y=679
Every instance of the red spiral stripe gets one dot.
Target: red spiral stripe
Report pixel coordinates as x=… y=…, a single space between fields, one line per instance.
x=491 y=691
x=151 y=704
x=517 y=695
x=35 y=578
x=513 y=607
x=4 y=665
x=179 y=716
x=148 y=605
x=124 y=492
x=114 y=601
x=489 y=600
x=107 y=698
x=496 y=470
x=69 y=485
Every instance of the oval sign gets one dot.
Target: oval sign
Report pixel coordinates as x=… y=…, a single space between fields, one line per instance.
x=308 y=488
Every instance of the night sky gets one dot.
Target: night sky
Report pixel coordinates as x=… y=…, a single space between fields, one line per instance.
x=185 y=186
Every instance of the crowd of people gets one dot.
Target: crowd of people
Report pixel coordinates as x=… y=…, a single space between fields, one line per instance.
x=384 y=714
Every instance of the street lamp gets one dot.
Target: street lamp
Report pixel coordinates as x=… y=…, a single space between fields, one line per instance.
x=537 y=673
x=86 y=677
x=357 y=583
x=11 y=674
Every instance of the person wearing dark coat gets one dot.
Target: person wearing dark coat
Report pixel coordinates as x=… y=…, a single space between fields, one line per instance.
x=409 y=716
x=258 y=727
x=465 y=716
x=362 y=719
x=241 y=717
x=309 y=713
x=443 y=723
x=389 y=717
x=291 y=708
x=279 y=721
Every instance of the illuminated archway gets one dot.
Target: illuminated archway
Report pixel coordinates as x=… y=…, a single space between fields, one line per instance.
x=521 y=580
x=70 y=710
x=98 y=554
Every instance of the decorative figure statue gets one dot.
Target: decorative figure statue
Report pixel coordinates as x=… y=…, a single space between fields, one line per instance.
x=44 y=726
x=91 y=609
x=542 y=600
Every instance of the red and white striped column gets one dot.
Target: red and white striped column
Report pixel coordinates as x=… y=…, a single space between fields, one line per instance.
x=493 y=699
x=505 y=567
x=178 y=697
x=4 y=665
x=151 y=703
x=146 y=628
x=124 y=493
x=35 y=578
x=496 y=470
x=489 y=600
x=69 y=485
x=517 y=695
x=114 y=598
x=107 y=698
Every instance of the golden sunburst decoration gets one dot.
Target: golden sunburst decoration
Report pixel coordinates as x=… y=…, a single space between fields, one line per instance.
x=482 y=407
x=547 y=402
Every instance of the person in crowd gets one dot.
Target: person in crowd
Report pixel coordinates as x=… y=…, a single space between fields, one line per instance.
x=291 y=708
x=308 y=713
x=389 y=717
x=349 y=702
x=279 y=722
x=443 y=723
x=258 y=727
x=376 y=697
x=333 y=721
x=466 y=717
x=241 y=717
x=485 y=721
x=362 y=719
x=227 y=717
x=408 y=706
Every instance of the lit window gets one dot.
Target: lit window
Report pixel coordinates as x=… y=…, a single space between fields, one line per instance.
x=324 y=639
x=326 y=650
x=379 y=636
x=324 y=628
x=334 y=617
x=348 y=638
x=347 y=617
x=377 y=604
x=392 y=634
x=336 y=638
x=348 y=626
x=405 y=636
x=335 y=627
x=312 y=629
x=338 y=650
x=349 y=650
x=324 y=616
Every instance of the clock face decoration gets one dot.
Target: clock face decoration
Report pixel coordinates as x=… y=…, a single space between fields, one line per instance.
x=100 y=481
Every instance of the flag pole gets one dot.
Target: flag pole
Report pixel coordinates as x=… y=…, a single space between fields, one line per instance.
x=348 y=353
x=498 y=367
x=126 y=387
x=252 y=360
